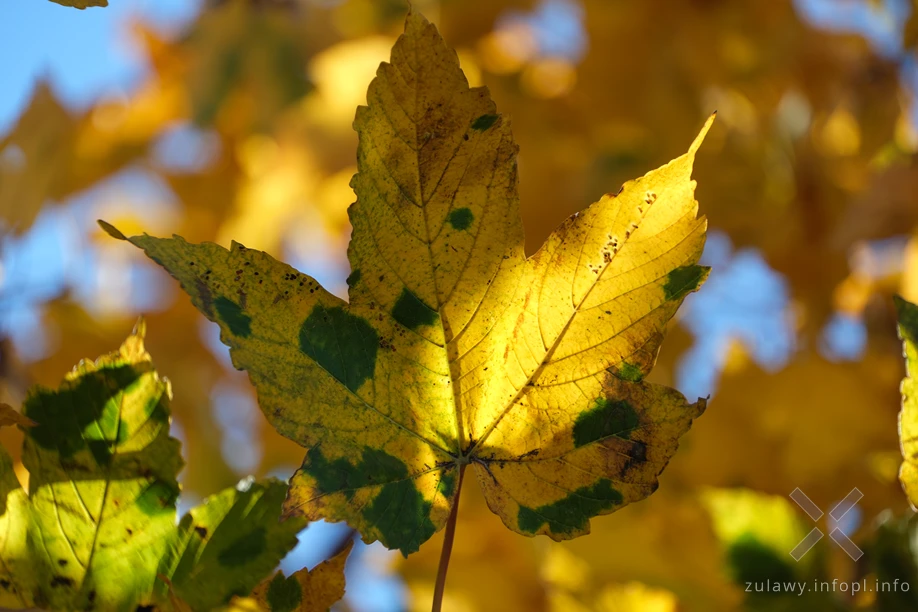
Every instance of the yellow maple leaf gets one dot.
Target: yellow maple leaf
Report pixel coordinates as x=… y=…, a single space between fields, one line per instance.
x=455 y=349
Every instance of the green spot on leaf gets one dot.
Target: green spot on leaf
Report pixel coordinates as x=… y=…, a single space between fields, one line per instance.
x=284 y=594
x=461 y=218
x=239 y=323
x=484 y=122
x=401 y=514
x=573 y=512
x=412 y=312
x=630 y=372
x=353 y=278
x=399 y=511
x=606 y=418
x=341 y=476
x=447 y=484
x=682 y=281
x=244 y=548
x=342 y=343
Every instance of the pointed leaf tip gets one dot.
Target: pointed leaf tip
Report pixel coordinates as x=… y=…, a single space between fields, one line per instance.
x=704 y=132
x=140 y=328
x=111 y=230
x=11 y=416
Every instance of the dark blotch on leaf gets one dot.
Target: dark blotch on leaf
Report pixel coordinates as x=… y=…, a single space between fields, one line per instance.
x=606 y=418
x=201 y=531
x=341 y=476
x=461 y=218
x=573 y=512
x=239 y=323
x=682 y=281
x=398 y=511
x=484 y=122
x=284 y=594
x=93 y=398
x=58 y=581
x=342 y=343
x=353 y=278
x=447 y=484
x=244 y=549
x=411 y=312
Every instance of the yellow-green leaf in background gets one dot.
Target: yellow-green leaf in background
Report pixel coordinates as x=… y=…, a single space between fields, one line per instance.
x=758 y=533
x=96 y=530
x=908 y=416
x=307 y=590
x=455 y=349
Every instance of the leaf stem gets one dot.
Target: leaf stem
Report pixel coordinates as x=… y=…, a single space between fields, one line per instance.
x=447 y=547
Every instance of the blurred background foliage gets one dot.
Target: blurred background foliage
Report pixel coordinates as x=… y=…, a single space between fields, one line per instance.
x=222 y=120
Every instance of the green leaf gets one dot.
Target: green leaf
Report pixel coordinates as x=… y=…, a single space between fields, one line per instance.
x=102 y=482
x=224 y=547
x=97 y=529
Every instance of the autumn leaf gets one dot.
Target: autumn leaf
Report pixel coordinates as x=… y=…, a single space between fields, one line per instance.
x=81 y=4
x=225 y=546
x=97 y=530
x=307 y=590
x=36 y=149
x=11 y=416
x=454 y=348
x=102 y=485
x=908 y=417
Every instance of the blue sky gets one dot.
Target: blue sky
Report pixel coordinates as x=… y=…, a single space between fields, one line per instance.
x=83 y=53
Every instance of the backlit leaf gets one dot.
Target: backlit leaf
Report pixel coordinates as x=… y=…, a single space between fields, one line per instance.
x=102 y=482
x=225 y=546
x=454 y=348
x=908 y=417
x=307 y=590
x=97 y=531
